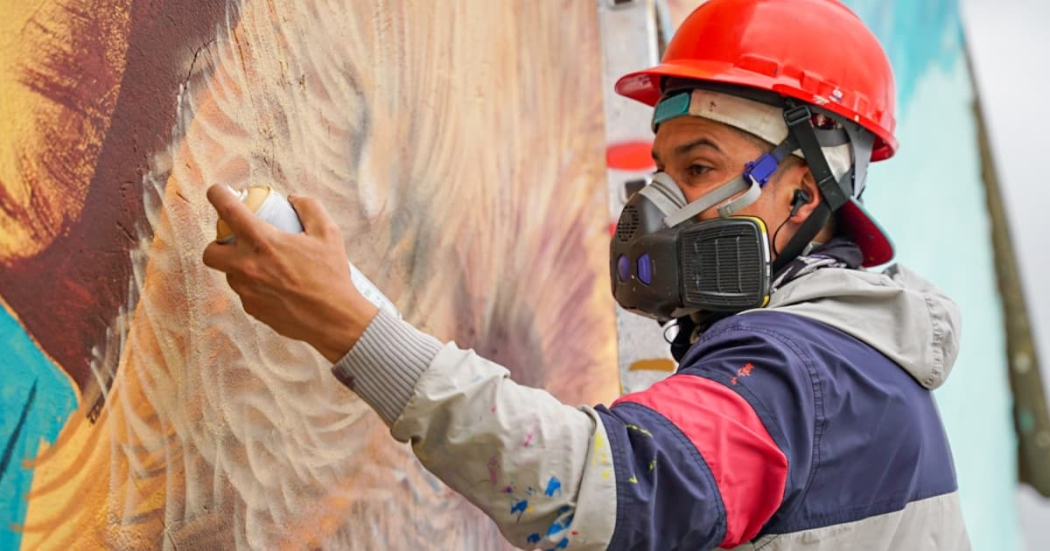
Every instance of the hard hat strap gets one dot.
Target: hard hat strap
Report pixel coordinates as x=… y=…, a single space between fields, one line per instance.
x=832 y=194
x=798 y=119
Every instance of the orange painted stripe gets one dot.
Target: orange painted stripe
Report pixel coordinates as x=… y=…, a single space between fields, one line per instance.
x=657 y=364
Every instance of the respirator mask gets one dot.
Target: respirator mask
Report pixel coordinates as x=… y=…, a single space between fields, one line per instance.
x=665 y=264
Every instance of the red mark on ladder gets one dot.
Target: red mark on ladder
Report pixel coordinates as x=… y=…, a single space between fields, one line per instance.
x=632 y=155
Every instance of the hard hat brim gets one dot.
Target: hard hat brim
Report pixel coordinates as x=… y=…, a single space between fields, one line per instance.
x=645 y=86
x=866 y=232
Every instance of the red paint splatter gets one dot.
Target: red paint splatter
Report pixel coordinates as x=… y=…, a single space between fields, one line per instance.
x=742 y=372
x=630 y=155
x=528 y=438
x=493 y=466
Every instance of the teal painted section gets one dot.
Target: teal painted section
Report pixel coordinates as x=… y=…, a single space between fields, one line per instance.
x=918 y=35
x=930 y=198
x=37 y=398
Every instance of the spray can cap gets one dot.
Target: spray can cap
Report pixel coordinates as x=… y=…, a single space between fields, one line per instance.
x=253 y=198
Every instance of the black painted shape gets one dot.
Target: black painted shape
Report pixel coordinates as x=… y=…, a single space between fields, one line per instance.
x=9 y=449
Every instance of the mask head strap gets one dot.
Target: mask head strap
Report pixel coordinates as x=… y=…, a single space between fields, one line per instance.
x=756 y=175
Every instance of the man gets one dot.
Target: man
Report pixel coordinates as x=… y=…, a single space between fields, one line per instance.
x=800 y=416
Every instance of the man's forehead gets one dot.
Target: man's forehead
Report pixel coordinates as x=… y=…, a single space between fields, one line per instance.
x=682 y=134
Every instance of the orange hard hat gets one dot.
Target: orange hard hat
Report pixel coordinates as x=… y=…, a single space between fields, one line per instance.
x=816 y=51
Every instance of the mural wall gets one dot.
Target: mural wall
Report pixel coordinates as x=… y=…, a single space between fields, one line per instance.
x=932 y=199
x=142 y=408
x=460 y=145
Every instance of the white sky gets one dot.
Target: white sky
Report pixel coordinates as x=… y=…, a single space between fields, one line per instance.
x=1010 y=44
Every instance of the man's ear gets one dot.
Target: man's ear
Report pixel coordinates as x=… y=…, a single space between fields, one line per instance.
x=804 y=197
x=798 y=200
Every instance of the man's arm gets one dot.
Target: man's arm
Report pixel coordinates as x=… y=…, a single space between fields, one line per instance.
x=542 y=470
x=685 y=464
x=658 y=470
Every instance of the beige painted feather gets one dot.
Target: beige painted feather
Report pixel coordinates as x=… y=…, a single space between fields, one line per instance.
x=459 y=145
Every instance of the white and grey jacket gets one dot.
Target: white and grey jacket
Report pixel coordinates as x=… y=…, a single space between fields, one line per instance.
x=806 y=425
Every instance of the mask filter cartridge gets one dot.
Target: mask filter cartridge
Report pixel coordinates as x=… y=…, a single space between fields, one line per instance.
x=666 y=272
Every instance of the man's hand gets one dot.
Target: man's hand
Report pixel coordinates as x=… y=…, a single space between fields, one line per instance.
x=298 y=284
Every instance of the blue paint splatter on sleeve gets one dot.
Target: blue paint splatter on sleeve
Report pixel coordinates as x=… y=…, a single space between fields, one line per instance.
x=561 y=545
x=533 y=538
x=559 y=526
x=553 y=485
x=519 y=507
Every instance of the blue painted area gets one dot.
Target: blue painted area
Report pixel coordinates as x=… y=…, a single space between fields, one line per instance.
x=561 y=544
x=519 y=507
x=553 y=485
x=37 y=398
x=557 y=527
x=931 y=200
x=533 y=538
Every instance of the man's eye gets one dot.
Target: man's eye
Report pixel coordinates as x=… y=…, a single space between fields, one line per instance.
x=698 y=170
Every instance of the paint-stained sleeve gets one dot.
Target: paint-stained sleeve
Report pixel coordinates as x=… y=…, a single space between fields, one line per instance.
x=686 y=464
x=540 y=469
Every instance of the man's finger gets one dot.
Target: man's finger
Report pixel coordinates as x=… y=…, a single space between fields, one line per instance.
x=220 y=257
x=315 y=219
x=243 y=223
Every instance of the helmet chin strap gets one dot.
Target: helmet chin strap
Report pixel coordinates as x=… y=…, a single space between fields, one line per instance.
x=833 y=193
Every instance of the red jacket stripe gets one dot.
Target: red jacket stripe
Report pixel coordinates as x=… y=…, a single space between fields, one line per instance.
x=749 y=468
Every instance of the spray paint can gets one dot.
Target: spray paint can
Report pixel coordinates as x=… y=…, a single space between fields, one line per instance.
x=274 y=208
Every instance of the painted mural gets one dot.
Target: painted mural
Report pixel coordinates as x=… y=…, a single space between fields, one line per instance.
x=142 y=408
x=932 y=199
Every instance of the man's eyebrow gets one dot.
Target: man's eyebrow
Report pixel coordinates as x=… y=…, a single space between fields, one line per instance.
x=702 y=142
x=686 y=148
